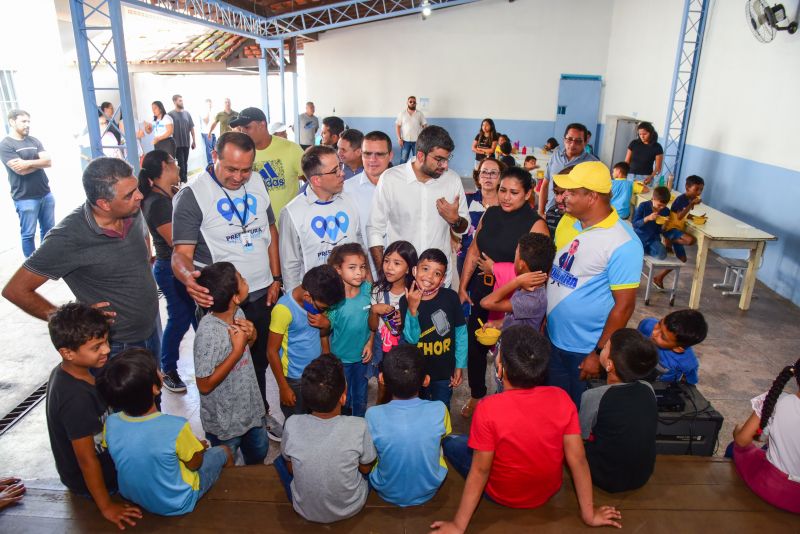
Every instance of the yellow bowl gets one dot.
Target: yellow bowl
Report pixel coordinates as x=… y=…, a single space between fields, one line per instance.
x=638 y=187
x=487 y=337
x=699 y=220
x=661 y=219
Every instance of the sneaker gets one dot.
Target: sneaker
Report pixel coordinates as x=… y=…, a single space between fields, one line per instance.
x=172 y=382
x=274 y=429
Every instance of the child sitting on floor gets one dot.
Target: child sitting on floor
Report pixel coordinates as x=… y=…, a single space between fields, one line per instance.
x=510 y=459
x=325 y=455
x=618 y=420
x=76 y=412
x=674 y=227
x=433 y=319
x=648 y=219
x=161 y=465
x=774 y=474
x=407 y=432
x=674 y=335
x=229 y=395
x=524 y=299
x=393 y=281
x=351 y=336
x=298 y=332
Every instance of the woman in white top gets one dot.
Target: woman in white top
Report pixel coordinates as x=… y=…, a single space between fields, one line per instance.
x=774 y=474
x=162 y=129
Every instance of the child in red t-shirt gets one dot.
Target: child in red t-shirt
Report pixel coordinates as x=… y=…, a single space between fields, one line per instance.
x=511 y=461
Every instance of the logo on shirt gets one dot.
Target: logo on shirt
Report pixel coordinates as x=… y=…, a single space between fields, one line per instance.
x=330 y=225
x=243 y=206
x=272 y=173
x=560 y=273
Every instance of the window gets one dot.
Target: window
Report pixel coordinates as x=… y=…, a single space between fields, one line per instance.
x=8 y=97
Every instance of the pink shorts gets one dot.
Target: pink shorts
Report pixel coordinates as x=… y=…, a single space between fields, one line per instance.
x=766 y=480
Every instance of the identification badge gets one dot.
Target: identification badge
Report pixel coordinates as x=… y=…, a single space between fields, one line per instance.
x=247 y=242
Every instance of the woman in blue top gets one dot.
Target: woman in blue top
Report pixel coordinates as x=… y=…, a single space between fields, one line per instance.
x=487 y=180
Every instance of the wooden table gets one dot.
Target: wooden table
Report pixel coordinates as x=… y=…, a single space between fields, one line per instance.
x=722 y=231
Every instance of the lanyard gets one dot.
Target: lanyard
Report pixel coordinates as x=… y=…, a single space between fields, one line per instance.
x=242 y=219
x=160 y=189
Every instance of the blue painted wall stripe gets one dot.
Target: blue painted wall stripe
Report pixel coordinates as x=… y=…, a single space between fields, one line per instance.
x=759 y=194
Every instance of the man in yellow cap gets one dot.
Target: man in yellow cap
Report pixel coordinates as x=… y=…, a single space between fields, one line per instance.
x=592 y=288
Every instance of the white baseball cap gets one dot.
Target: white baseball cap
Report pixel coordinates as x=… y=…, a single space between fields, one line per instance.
x=276 y=127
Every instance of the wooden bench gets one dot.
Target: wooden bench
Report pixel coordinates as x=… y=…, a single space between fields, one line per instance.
x=685 y=494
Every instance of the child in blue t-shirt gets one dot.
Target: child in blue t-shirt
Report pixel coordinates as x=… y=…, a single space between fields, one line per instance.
x=407 y=432
x=351 y=337
x=674 y=335
x=622 y=190
x=161 y=465
x=298 y=332
x=674 y=228
x=650 y=216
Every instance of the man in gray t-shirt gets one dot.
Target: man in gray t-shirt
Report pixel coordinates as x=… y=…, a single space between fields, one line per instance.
x=325 y=455
x=101 y=251
x=184 y=129
x=307 y=126
x=233 y=408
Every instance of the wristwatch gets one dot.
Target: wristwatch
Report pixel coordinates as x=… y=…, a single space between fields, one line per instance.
x=278 y=278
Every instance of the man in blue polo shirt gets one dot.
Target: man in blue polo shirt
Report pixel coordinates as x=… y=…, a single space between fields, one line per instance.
x=592 y=288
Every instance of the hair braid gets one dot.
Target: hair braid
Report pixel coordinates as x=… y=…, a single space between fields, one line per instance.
x=775 y=391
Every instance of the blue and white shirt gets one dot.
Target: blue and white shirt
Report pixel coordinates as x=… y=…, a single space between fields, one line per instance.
x=310 y=228
x=590 y=263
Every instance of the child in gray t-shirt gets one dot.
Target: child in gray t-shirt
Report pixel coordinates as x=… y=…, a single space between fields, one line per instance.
x=325 y=456
x=231 y=408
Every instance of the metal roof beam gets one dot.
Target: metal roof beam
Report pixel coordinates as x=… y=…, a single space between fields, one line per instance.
x=221 y=15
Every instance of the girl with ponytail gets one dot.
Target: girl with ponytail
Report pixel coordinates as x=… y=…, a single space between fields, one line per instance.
x=773 y=474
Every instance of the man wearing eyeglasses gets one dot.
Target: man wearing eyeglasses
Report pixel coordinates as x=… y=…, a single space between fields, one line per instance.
x=318 y=219
x=570 y=153
x=409 y=124
x=376 y=152
x=420 y=201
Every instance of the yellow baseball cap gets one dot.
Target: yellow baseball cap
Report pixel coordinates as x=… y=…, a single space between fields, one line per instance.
x=591 y=175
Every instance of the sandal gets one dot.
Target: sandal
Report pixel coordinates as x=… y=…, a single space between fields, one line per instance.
x=468 y=408
x=658 y=286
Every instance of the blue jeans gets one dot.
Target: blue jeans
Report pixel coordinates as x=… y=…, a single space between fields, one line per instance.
x=656 y=249
x=680 y=251
x=284 y=474
x=31 y=211
x=152 y=343
x=214 y=459
x=438 y=390
x=562 y=371
x=456 y=451
x=209 y=145
x=409 y=150
x=254 y=444
x=356 y=376
x=180 y=314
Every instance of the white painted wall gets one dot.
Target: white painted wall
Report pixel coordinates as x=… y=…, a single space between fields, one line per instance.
x=747 y=101
x=641 y=57
x=491 y=58
x=46 y=90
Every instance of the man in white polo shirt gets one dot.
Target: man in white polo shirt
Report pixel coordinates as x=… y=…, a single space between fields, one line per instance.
x=409 y=124
x=318 y=219
x=420 y=201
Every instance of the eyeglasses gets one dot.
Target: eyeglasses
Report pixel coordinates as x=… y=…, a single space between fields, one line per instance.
x=441 y=161
x=574 y=140
x=339 y=169
x=490 y=174
x=368 y=155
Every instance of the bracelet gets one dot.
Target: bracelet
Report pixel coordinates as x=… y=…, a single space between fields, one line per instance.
x=277 y=278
